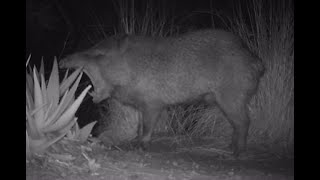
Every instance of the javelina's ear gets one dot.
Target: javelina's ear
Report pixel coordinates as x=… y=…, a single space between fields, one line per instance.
x=72 y=61
x=123 y=43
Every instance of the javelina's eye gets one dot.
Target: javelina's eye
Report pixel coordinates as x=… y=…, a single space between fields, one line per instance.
x=61 y=63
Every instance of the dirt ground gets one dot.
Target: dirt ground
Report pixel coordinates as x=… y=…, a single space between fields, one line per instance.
x=202 y=160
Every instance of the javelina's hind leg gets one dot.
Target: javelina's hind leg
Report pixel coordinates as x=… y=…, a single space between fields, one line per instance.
x=240 y=123
x=235 y=110
x=150 y=116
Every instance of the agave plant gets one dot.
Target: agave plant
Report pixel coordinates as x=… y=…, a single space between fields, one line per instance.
x=51 y=107
x=82 y=134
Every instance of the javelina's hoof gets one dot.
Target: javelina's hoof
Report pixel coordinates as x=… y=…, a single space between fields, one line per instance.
x=141 y=146
x=236 y=153
x=237 y=149
x=144 y=146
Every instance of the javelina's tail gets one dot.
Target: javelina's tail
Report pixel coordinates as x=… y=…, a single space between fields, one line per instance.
x=257 y=70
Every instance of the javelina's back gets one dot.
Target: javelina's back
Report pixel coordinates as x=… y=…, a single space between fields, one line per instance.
x=180 y=68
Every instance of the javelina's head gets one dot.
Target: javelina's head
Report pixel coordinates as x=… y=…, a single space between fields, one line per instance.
x=101 y=53
x=98 y=64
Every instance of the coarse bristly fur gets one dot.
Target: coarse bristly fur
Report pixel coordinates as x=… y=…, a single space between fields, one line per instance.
x=151 y=73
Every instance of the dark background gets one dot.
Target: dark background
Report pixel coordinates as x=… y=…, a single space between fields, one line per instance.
x=59 y=27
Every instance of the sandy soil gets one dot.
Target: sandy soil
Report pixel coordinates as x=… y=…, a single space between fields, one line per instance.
x=164 y=160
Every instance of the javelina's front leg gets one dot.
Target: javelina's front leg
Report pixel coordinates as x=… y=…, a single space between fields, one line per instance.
x=150 y=117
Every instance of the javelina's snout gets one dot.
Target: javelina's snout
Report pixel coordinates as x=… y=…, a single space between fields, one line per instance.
x=66 y=62
x=62 y=63
x=72 y=61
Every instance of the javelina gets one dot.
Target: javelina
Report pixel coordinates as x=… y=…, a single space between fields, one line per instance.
x=151 y=73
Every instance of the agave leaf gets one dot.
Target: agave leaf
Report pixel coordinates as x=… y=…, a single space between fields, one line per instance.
x=29 y=78
x=53 y=117
x=44 y=92
x=70 y=134
x=41 y=71
x=49 y=111
x=42 y=144
x=39 y=146
x=65 y=75
x=34 y=132
x=68 y=127
x=29 y=70
x=29 y=101
x=77 y=130
x=71 y=101
x=62 y=134
x=53 y=85
x=38 y=109
x=67 y=100
x=74 y=131
x=67 y=83
x=29 y=83
x=68 y=114
x=28 y=60
x=70 y=97
x=38 y=101
x=27 y=144
x=85 y=131
x=37 y=72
